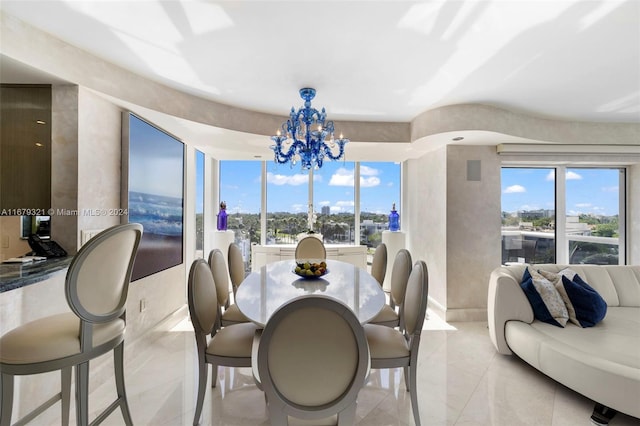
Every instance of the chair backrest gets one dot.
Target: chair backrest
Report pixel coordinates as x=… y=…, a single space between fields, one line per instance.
x=414 y=307
x=236 y=265
x=313 y=357
x=400 y=275
x=379 y=263
x=97 y=280
x=202 y=298
x=218 y=266
x=310 y=248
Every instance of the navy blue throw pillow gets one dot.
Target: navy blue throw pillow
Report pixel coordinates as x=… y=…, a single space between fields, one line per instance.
x=590 y=307
x=540 y=310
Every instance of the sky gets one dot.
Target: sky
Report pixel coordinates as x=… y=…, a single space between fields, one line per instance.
x=155 y=160
x=588 y=191
x=288 y=190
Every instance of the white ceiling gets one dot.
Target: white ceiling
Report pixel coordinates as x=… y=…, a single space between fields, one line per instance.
x=370 y=61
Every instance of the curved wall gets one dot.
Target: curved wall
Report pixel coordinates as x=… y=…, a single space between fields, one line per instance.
x=33 y=47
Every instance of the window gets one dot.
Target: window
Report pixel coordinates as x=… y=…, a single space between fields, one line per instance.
x=334 y=201
x=379 y=191
x=563 y=215
x=199 y=209
x=333 y=192
x=593 y=215
x=528 y=215
x=287 y=203
x=240 y=188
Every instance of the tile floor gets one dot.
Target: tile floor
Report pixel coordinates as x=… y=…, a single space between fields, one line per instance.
x=462 y=381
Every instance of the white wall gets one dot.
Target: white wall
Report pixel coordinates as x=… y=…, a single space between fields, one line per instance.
x=473 y=230
x=425 y=215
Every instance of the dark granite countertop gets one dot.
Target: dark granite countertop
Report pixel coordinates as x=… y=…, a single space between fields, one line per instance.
x=16 y=275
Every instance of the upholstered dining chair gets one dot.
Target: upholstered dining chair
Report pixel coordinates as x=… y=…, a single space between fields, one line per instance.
x=96 y=287
x=228 y=313
x=310 y=248
x=379 y=263
x=236 y=267
x=391 y=348
x=228 y=346
x=311 y=360
x=400 y=272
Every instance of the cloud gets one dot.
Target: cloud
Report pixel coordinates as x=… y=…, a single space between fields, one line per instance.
x=513 y=189
x=368 y=171
x=568 y=176
x=296 y=208
x=610 y=189
x=583 y=205
x=369 y=182
x=324 y=203
x=294 y=180
x=344 y=177
x=573 y=176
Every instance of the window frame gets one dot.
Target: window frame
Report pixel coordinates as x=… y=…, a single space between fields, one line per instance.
x=356 y=190
x=561 y=238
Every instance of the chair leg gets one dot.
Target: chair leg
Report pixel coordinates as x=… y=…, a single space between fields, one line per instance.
x=82 y=394
x=118 y=362
x=214 y=375
x=65 y=384
x=414 y=393
x=347 y=417
x=407 y=379
x=277 y=417
x=202 y=387
x=7 y=399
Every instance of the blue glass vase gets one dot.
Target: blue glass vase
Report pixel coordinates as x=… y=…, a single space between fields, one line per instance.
x=394 y=219
x=222 y=217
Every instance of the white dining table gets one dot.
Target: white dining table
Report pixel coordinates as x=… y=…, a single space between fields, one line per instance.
x=262 y=293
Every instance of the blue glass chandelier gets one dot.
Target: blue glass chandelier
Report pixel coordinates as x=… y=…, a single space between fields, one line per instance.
x=308 y=135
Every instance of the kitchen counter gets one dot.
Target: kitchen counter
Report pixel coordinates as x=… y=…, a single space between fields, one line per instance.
x=16 y=275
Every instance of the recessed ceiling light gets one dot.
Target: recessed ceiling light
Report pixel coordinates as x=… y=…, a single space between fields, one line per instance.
x=41 y=122
x=458 y=138
x=38 y=144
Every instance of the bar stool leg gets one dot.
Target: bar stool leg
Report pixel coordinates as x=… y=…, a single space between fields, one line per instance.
x=65 y=384
x=82 y=394
x=7 y=399
x=118 y=361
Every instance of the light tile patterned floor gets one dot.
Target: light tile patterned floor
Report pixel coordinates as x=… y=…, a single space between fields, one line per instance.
x=462 y=381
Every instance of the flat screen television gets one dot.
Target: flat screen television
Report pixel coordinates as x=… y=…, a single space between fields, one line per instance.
x=153 y=193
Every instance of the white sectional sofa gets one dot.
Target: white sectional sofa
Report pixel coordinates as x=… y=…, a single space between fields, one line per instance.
x=600 y=362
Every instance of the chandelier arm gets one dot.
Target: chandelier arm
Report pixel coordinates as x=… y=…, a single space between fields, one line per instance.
x=282 y=157
x=329 y=153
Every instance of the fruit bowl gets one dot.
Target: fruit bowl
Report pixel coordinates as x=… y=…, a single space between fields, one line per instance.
x=310 y=268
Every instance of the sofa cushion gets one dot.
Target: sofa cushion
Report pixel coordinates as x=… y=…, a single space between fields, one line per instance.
x=589 y=306
x=584 y=305
x=546 y=302
x=601 y=362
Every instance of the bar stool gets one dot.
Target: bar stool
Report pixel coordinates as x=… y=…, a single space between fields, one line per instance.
x=96 y=288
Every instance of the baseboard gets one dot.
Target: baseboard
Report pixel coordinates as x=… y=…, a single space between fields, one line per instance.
x=457 y=315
